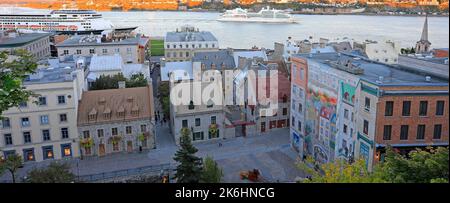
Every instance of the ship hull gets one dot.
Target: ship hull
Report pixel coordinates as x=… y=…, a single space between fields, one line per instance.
x=258 y=20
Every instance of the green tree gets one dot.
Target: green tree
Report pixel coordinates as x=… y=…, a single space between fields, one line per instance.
x=13 y=70
x=55 y=173
x=212 y=173
x=112 y=82
x=12 y=163
x=420 y=166
x=136 y=80
x=164 y=98
x=339 y=171
x=190 y=166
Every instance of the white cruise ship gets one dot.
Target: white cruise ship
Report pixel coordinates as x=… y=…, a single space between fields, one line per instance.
x=265 y=15
x=68 y=21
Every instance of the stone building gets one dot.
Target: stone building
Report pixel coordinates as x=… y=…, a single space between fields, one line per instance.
x=116 y=120
x=183 y=43
x=423 y=45
x=45 y=127
x=37 y=44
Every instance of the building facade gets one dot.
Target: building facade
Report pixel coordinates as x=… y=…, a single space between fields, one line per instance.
x=116 y=120
x=355 y=107
x=45 y=127
x=183 y=43
x=37 y=44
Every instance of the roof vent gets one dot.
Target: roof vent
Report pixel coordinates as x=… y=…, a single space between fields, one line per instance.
x=380 y=79
x=428 y=78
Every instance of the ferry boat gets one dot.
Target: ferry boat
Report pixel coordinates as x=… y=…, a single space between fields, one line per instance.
x=66 y=21
x=265 y=15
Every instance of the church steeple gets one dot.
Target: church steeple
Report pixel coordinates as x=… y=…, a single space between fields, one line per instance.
x=423 y=45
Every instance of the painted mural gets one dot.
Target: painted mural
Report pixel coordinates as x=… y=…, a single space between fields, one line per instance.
x=321 y=125
x=344 y=137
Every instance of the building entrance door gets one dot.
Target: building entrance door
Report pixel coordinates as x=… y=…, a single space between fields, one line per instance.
x=129 y=146
x=101 y=149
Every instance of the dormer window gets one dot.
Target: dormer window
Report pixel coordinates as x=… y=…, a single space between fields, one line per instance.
x=121 y=111
x=191 y=105
x=135 y=110
x=92 y=115
x=107 y=113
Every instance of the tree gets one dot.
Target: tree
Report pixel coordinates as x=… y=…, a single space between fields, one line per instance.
x=12 y=163
x=339 y=171
x=164 y=98
x=112 y=82
x=212 y=173
x=13 y=71
x=136 y=80
x=55 y=173
x=420 y=166
x=190 y=166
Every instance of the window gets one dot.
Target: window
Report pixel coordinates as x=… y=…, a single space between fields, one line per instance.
x=42 y=101
x=23 y=104
x=26 y=137
x=345 y=129
x=86 y=134
x=64 y=133
x=187 y=54
x=423 y=107
x=389 y=108
x=61 y=99
x=366 y=127
x=63 y=117
x=213 y=119
x=114 y=131
x=28 y=154
x=420 y=132
x=439 y=108
x=143 y=128
x=100 y=133
x=300 y=108
x=198 y=136
x=105 y=51
x=44 y=120
x=25 y=122
x=66 y=150
x=302 y=74
x=45 y=135
x=293 y=121
x=299 y=126
x=168 y=46
x=8 y=139
x=367 y=104
x=346 y=113
x=6 y=123
x=128 y=130
x=66 y=52
x=284 y=111
x=197 y=122
x=184 y=123
x=117 y=50
x=404 y=132
x=406 y=108
x=92 y=51
x=387 y=132
x=437 y=132
x=78 y=51
x=47 y=152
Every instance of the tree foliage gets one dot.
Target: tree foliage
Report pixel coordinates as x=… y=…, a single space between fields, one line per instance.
x=190 y=166
x=55 y=173
x=164 y=98
x=11 y=164
x=112 y=82
x=419 y=166
x=411 y=50
x=212 y=173
x=13 y=70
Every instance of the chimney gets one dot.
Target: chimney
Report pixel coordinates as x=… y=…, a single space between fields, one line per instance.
x=428 y=78
x=121 y=84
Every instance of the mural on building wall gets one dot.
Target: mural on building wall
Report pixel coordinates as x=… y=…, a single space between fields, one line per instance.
x=346 y=145
x=320 y=126
x=348 y=93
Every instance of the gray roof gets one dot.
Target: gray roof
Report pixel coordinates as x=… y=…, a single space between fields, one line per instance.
x=392 y=75
x=22 y=39
x=90 y=40
x=190 y=36
x=51 y=75
x=215 y=57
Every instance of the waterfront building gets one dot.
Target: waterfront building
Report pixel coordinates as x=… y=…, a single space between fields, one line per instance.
x=132 y=48
x=45 y=127
x=384 y=52
x=116 y=120
x=37 y=44
x=183 y=43
x=354 y=107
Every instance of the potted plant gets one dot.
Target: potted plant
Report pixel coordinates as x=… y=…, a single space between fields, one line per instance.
x=87 y=142
x=115 y=139
x=213 y=129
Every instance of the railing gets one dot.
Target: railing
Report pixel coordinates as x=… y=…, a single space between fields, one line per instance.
x=153 y=169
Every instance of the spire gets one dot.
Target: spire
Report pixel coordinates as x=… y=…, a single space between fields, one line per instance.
x=424 y=36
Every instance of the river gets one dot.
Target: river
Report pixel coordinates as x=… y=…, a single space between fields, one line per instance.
x=403 y=29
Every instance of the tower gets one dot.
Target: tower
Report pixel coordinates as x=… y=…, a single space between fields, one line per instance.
x=423 y=45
